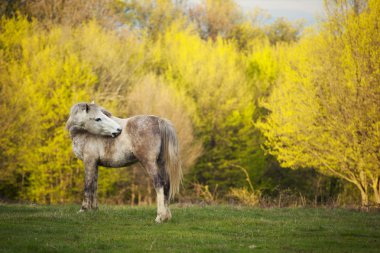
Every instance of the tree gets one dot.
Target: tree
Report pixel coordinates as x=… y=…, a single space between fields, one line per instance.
x=38 y=78
x=153 y=16
x=283 y=30
x=67 y=12
x=152 y=96
x=43 y=73
x=215 y=17
x=211 y=78
x=324 y=113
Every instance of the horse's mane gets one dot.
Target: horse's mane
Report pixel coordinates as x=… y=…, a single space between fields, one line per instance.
x=74 y=110
x=107 y=113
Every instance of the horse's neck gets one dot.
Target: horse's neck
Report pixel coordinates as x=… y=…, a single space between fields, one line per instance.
x=78 y=139
x=120 y=121
x=75 y=130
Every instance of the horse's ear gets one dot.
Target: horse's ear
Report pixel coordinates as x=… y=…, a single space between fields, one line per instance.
x=85 y=107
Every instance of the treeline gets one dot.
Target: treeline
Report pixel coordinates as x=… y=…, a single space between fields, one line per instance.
x=251 y=101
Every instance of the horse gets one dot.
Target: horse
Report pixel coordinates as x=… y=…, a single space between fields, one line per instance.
x=100 y=139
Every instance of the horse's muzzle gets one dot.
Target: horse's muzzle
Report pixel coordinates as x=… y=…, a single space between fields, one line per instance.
x=114 y=134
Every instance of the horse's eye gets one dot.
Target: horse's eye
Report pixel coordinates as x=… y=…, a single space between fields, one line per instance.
x=98 y=119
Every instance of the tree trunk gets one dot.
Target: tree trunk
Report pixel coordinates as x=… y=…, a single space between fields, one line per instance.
x=364 y=197
x=363 y=187
x=376 y=190
x=139 y=198
x=133 y=196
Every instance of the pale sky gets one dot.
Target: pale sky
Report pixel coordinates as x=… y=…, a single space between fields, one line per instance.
x=290 y=9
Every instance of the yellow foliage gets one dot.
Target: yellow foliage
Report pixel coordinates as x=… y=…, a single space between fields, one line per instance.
x=245 y=196
x=211 y=73
x=42 y=70
x=208 y=88
x=44 y=73
x=153 y=96
x=324 y=111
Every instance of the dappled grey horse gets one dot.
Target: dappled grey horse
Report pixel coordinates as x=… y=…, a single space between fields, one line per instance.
x=101 y=139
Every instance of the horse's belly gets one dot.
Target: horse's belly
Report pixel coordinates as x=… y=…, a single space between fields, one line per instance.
x=118 y=160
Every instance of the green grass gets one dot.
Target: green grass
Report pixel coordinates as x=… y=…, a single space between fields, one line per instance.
x=192 y=229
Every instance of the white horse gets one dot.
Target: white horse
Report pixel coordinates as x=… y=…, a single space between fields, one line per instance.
x=101 y=139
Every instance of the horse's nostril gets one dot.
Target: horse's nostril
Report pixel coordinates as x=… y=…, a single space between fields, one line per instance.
x=114 y=134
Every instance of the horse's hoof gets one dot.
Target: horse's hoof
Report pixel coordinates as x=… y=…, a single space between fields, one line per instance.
x=158 y=219
x=163 y=217
x=82 y=210
x=168 y=215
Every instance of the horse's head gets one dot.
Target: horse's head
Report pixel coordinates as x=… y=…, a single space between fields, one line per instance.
x=93 y=119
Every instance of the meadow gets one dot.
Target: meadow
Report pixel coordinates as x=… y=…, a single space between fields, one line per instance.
x=59 y=228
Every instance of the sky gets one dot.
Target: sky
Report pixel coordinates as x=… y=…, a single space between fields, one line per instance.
x=290 y=9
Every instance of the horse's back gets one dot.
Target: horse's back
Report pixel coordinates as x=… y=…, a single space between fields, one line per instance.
x=143 y=124
x=145 y=136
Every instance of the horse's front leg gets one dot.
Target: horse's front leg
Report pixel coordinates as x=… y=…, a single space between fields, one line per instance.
x=90 y=186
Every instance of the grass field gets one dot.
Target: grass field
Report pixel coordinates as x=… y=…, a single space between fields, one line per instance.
x=193 y=229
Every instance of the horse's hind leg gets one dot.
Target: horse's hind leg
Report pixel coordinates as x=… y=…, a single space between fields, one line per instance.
x=162 y=189
x=163 y=212
x=165 y=182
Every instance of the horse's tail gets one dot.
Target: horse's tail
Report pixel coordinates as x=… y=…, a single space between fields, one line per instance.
x=170 y=155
